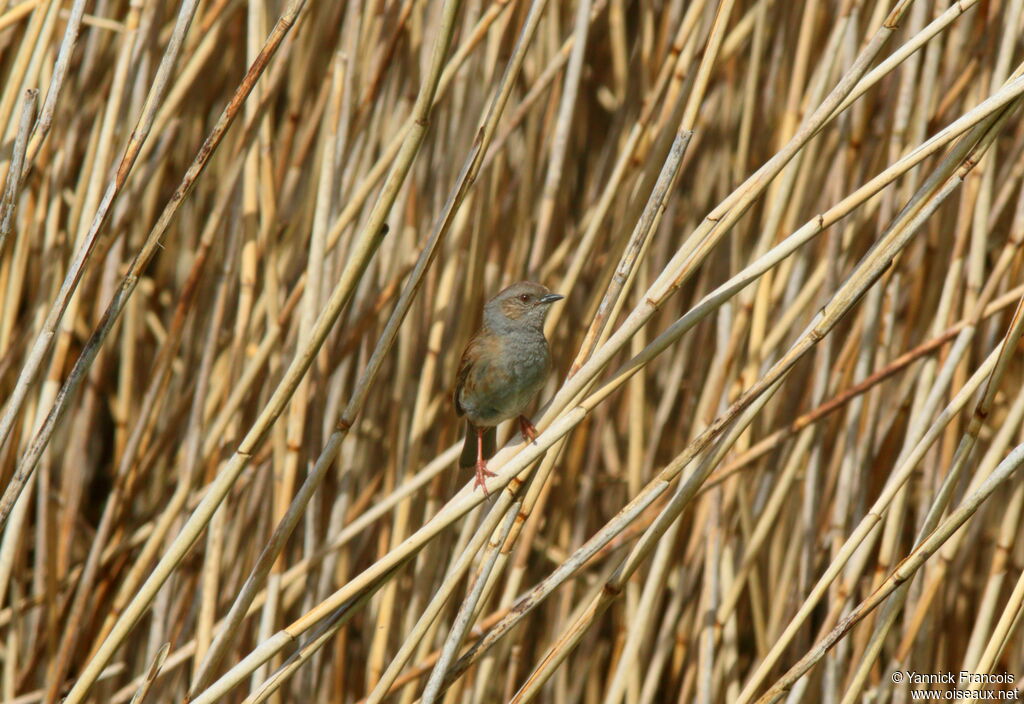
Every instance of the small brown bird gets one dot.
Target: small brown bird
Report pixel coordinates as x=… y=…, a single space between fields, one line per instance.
x=502 y=369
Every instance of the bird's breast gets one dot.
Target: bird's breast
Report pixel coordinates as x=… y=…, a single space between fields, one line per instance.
x=504 y=384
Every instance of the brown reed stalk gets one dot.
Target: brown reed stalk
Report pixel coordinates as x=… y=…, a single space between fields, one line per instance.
x=778 y=455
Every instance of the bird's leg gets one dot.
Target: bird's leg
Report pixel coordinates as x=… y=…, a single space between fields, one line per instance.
x=527 y=429
x=481 y=464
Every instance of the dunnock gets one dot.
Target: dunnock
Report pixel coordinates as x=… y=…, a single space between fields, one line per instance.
x=502 y=369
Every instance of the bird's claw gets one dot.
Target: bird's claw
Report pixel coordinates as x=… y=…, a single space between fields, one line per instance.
x=528 y=429
x=482 y=473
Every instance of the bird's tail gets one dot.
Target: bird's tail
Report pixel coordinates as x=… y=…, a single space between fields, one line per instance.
x=468 y=458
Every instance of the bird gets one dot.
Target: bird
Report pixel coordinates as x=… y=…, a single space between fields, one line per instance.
x=502 y=368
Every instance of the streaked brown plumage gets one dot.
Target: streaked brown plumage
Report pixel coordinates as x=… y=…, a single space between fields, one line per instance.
x=503 y=367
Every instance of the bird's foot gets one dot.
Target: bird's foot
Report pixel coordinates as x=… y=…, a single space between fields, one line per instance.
x=482 y=473
x=527 y=428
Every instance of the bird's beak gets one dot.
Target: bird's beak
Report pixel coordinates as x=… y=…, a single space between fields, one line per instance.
x=551 y=298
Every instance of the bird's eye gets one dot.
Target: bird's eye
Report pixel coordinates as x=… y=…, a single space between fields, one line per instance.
x=525 y=298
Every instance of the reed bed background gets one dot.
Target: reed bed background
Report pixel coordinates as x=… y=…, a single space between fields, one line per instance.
x=242 y=245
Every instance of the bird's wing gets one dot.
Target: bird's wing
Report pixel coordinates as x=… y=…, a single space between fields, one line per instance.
x=465 y=365
x=477 y=371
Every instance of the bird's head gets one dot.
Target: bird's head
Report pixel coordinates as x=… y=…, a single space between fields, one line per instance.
x=522 y=303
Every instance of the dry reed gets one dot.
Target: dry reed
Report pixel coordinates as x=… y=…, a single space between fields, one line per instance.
x=243 y=243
